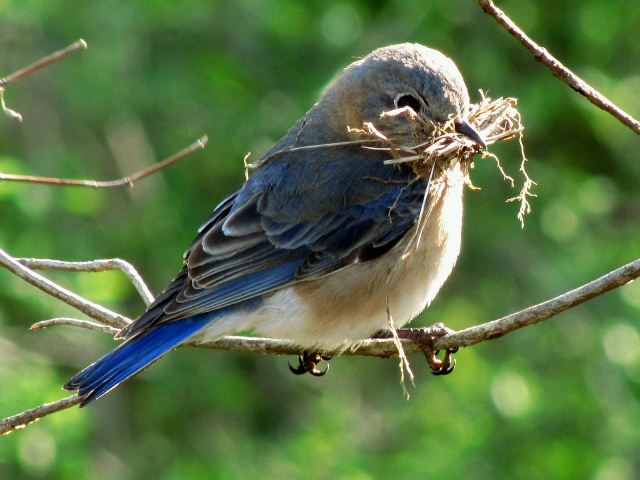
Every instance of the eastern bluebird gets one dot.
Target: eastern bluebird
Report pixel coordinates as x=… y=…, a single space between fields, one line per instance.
x=312 y=248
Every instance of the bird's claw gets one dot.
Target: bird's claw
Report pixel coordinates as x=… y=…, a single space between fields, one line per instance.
x=308 y=363
x=426 y=337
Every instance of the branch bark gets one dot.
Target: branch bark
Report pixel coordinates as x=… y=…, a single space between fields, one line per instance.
x=557 y=68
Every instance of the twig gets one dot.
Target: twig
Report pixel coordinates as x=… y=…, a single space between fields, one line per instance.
x=74 y=322
x=558 y=69
x=121 y=182
x=37 y=65
x=23 y=419
x=91 y=309
x=43 y=62
x=93 y=266
x=542 y=311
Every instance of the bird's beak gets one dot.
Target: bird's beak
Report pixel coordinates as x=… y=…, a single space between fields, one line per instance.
x=464 y=128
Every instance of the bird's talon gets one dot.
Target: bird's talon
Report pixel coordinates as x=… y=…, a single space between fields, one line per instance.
x=308 y=363
x=426 y=338
x=446 y=367
x=300 y=369
x=319 y=373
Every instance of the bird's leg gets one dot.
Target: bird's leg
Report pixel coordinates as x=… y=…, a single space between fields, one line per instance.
x=308 y=363
x=425 y=337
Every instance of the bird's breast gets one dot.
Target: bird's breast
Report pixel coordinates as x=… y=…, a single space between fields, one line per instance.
x=351 y=304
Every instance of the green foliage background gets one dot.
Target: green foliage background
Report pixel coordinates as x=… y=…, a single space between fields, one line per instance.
x=559 y=400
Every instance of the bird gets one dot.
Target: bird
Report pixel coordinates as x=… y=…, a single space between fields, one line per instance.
x=320 y=244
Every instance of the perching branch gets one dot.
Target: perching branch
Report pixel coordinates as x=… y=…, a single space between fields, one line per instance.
x=558 y=69
x=21 y=420
x=543 y=311
x=375 y=347
x=35 y=66
x=121 y=182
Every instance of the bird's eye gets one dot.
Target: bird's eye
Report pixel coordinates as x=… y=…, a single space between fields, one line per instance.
x=408 y=100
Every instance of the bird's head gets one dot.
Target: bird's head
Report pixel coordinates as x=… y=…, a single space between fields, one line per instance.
x=409 y=79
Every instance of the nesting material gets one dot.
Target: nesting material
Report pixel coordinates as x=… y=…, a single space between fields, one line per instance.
x=495 y=120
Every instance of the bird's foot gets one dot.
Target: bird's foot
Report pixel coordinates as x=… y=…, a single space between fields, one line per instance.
x=425 y=337
x=308 y=363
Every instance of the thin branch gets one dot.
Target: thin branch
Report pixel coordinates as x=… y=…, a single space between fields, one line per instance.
x=121 y=182
x=74 y=322
x=43 y=62
x=93 y=266
x=558 y=69
x=35 y=66
x=23 y=419
x=380 y=347
x=91 y=309
x=537 y=313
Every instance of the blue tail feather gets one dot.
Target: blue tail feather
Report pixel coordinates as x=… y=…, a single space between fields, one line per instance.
x=133 y=356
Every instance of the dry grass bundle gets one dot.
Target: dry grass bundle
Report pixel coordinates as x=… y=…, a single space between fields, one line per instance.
x=495 y=120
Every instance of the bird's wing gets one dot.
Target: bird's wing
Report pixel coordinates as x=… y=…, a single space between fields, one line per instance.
x=273 y=233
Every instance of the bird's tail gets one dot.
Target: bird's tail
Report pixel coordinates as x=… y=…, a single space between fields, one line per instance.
x=131 y=357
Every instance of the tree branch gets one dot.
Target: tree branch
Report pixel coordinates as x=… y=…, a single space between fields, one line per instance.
x=21 y=420
x=373 y=347
x=35 y=66
x=121 y=182
x=74 y=322
x=93 y=266
x=558 y=69
x=543 y=311
x=91 y=309
x=43 y=62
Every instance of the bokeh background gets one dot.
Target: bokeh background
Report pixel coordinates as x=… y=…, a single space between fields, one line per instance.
x=558 y=400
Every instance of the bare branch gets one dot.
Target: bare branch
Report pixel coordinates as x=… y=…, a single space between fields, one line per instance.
x=23 y=419
x=93 y=266
x=121 y=182
x=376 y=347
x=74 y=322
x=537 y=313
x=37 y=65
x=558 y=69
x=43 y=62
x=91 y=309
